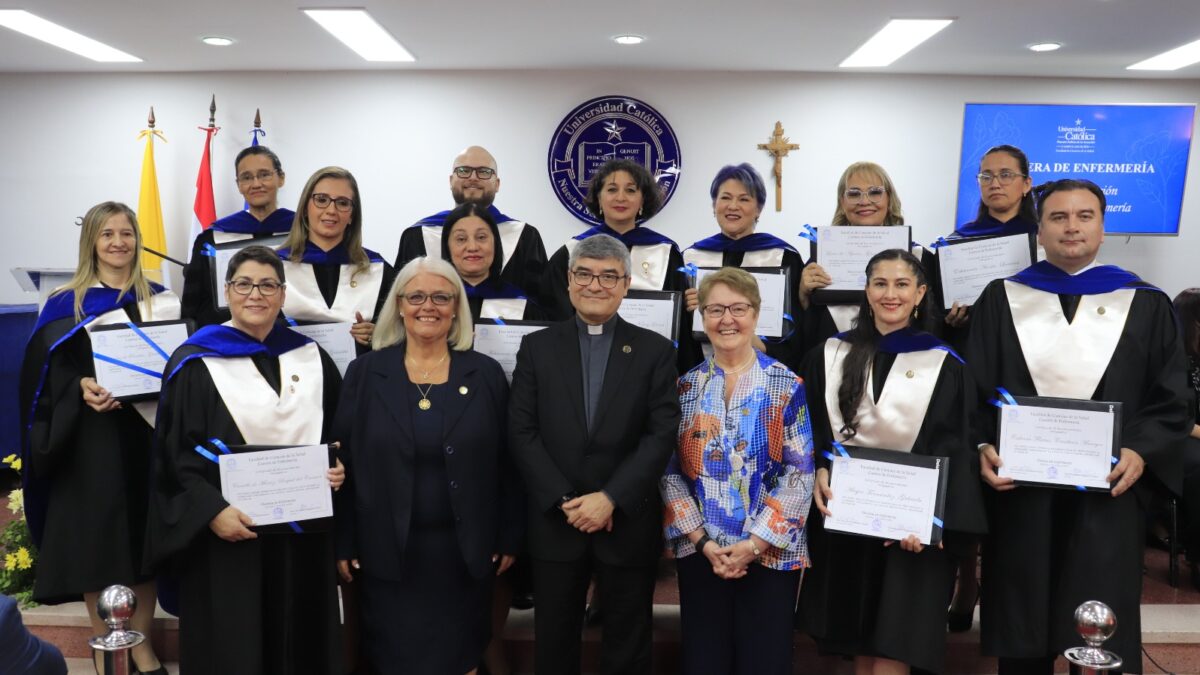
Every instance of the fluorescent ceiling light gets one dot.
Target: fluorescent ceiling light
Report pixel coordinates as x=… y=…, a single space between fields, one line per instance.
x=896 y=39
x=63 y=38
x=629 y=39
x=1175 y=59
x=1045 y=46
x=360 y=32
x=217 y=41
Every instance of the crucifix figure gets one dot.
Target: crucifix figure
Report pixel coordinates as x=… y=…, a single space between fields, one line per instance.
x=778 y=148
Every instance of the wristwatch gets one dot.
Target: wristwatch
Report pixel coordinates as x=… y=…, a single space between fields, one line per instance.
x=704 y=539
x=754 y=547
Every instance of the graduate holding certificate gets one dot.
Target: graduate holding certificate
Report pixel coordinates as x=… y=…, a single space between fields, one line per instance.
x=86 y=454
x=259 y=175
x=331 y=277
x=886 y=384
x=1069 y=327
x=471 y=242
x=249 y=601
x=738 y=194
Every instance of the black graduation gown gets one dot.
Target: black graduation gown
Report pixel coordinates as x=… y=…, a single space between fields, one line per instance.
x=329 y=274
x=556 y=301
x=263 y=606
x=524 y=268
x=532 y=311
x=861 y=598
x=95 y=468
x=1050 y=550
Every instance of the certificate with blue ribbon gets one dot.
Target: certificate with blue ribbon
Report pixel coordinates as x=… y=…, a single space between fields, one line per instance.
x=887 y=494
x=1058 y=442
x=130 y=357
x=219 y=256
x=967 y=265
x=775 y=316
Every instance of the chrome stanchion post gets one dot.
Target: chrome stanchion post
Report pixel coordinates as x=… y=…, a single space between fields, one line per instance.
x=1095 y=622
x=115 y=607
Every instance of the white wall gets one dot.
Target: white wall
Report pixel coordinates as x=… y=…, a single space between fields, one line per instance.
x=69 y=141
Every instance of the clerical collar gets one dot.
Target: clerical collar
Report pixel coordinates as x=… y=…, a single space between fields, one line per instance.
x=1092 y=280
x=586 y=328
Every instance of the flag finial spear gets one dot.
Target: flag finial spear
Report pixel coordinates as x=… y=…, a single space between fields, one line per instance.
x=150 y=119
x=257 y=119
x=212 y=112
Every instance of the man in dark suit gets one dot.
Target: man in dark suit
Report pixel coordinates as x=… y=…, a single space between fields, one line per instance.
x=21 y=651
x=593 y=416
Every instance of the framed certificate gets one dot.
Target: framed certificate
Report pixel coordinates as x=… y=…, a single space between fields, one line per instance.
x=335 y=339
x=888 y=494
x=774 y=284
x=1059 y=442
x=969 y=264
x=502 y=340
x=223 y=253
x=129 y=358
x=657 y=311
x=279 y=485
x=843 y=251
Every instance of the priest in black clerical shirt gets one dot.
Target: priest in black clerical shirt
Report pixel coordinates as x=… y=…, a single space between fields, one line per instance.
x=1069 y=327
x=475 y=178
x=593 y=414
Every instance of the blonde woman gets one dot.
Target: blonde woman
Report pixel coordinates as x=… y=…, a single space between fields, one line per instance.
x=86 y=453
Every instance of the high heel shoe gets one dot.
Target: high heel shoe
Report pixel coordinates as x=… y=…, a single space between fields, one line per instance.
x=160 y=670
x=958 y=621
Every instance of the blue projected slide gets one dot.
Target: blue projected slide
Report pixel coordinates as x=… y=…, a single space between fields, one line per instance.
x=1137 y=154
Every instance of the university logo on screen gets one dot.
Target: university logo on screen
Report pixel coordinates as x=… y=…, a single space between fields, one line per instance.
x=1075 y=138
x=607 y=128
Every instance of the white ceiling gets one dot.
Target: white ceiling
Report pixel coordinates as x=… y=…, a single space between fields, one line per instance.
x=1100 y=37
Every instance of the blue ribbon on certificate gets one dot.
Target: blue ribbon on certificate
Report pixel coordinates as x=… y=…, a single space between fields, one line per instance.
x=690 y=270
x=136 y=368
x=1008 y=399
x=809 y=233
x=208 y=250
x=218 y=444
x=940 y=242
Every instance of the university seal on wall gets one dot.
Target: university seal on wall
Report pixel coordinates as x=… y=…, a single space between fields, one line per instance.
x=605 y=128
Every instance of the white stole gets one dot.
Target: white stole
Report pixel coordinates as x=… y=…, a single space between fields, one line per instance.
x=293 y=416
x=843 y=316
x=893 y=421
x=162 y=306
x=510 y=234
x=509 y=309
x=220 y=237
x=356 y=292
x=1067 y=360
x=770 y=257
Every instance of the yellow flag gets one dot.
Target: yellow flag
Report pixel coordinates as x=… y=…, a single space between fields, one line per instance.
x=149 y=212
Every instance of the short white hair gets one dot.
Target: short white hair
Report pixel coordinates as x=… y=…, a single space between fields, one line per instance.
x=389 y=328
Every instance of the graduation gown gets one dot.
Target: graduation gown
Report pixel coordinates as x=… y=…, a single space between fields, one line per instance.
x=198 y=282
x=524 y=253
x=265 y=605
x=496 y=299
x=1049 y=549
x=988 y=226
x=326 y=287
x=759 y=249
x=861 y=598
x=657 y=266
x=85 y=472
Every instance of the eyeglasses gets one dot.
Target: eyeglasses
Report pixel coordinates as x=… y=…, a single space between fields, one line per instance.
x=482 y=172
x=261 y=176
x=322 y=201
x=1005 y=177
x=246 y=287
x=607 y=279
x=874 y=194
x=737 y=310
x=419 y=298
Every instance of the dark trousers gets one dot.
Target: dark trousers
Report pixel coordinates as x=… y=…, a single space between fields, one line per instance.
x=1190 y=507
x=561 y=592
x=1034 y=666
x=736 y=627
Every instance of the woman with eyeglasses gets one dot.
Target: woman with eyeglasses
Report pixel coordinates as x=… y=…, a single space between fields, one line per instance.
x=432 y=510
x=333 y=279
x=736 y=492
x=252 y=598
x=259 y=175
x=738 y=194
x=866 y=196
x=86 y=454
x=889 y=384
x=471 y=242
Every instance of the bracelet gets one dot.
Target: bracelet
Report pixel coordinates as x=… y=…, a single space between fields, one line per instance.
x=704 y=539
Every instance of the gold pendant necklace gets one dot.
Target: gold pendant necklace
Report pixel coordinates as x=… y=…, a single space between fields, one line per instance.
x=425 y=403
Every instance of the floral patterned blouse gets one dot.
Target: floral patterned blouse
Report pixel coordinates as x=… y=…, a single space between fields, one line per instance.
x=745 y=468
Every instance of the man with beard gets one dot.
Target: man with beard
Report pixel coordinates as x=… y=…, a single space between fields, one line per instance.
x=474 y=178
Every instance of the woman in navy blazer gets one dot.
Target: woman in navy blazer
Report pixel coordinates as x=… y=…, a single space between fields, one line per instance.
x=431 y=509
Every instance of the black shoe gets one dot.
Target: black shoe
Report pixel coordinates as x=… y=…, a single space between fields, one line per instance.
x=959 y=621
x=522 y=601
x=161 y=670
x=591 y=615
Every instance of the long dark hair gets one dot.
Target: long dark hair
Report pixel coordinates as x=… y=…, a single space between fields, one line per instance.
x=1027 y=210
x=1187 y=306
x=864 y=339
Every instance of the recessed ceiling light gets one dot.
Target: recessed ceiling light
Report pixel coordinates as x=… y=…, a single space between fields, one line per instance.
x=359 y=31
x=896 y=39
x=1045 y=46
x=1174 y=59
x=217 y=41
x=628 y=39
x=64 y=38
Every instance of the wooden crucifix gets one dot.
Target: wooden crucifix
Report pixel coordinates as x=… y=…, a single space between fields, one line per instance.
x=778 y=148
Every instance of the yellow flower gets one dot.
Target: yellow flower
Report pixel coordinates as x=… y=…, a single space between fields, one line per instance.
x=15 y=464
x=10 y=459
x=24 y=562
x=16 y=500
x=10 y=561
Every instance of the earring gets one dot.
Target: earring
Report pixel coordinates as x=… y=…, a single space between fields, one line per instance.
x=640 y=211
x=917 y=313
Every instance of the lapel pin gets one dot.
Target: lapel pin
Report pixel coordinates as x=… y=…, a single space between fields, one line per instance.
x=463 y=390
x=1100 y=310
x=627 y=349
x=295 y=378
x=353 y=284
